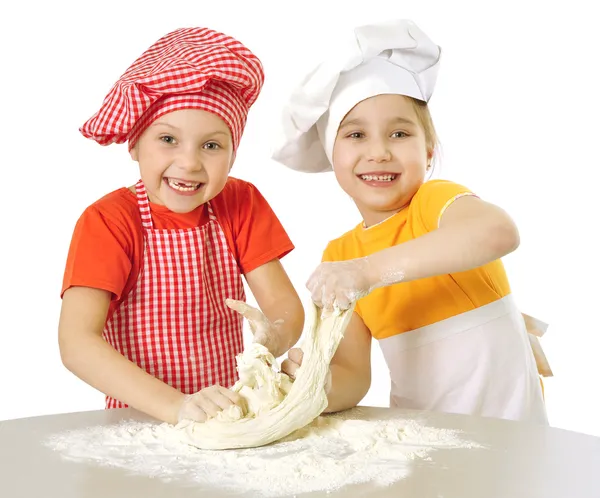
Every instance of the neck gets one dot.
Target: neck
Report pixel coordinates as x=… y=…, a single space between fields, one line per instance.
x=371 y=218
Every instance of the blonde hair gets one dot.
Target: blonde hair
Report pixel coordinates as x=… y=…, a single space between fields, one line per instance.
x=423 y=115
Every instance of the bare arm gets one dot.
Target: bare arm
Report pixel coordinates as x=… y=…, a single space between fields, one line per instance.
x=471 y=233
x=85 y=353
x=350 y=367
x=279 y=301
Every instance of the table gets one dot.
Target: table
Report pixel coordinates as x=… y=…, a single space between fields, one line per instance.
x=519 y=461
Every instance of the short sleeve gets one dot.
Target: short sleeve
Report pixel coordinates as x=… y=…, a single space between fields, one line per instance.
x=329 y=254
x=99 y=254
x=432 y=200
x=259 y=236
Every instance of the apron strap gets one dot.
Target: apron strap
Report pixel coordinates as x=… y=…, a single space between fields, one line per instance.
x=144 y=205
x=211 y=214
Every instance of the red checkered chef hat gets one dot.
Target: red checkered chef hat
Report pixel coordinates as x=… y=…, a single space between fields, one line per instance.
x=190 y=68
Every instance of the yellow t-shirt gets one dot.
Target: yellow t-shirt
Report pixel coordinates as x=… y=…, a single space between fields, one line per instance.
x=410 y=305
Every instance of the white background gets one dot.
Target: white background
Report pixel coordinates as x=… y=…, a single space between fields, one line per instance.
x=516 y=108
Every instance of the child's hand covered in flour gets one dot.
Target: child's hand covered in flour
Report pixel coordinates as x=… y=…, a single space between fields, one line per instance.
x=263 y=331
x=341 y=283
x=207 y=403
x=290 y=365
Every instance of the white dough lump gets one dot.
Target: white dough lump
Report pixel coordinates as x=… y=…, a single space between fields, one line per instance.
x=275 y=406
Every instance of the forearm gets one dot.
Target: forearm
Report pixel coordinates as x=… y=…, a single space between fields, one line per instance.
x=450 y=249
x=97 y=363
x=288 y=324
x=279 y=321
x=348 y=388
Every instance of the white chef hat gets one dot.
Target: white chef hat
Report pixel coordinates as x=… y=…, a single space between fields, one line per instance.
x=392 y=57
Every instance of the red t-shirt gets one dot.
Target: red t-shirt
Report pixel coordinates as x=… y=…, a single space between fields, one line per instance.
x=107 y=247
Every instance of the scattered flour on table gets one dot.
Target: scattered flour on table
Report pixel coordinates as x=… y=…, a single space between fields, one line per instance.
x=332 y=452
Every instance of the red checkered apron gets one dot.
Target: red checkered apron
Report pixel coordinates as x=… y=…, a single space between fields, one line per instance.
x=174 y=323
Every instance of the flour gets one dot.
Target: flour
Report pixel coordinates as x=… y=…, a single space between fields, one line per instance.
x=332 y=452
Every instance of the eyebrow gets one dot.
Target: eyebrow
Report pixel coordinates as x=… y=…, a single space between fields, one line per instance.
x=157 y=123
x=360 y=122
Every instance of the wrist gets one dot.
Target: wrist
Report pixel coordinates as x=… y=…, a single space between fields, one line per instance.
x=382 y=272
x=372 y=272
x=175 y=406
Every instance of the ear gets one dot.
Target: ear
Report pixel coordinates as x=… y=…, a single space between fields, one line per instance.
x=430 y=155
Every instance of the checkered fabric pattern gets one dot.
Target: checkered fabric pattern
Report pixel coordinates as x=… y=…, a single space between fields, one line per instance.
x=195 y=68
x=174 y=324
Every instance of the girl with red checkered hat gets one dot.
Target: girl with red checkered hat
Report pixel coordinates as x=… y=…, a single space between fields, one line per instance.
x=153 y=297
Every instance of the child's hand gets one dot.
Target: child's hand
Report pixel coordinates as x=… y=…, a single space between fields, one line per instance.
x=207 y=403
x=341 y=283
x=293 y=362
x=263 y=331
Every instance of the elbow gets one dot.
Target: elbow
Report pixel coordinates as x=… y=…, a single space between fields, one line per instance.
x=366 y=385
x=69 y=351
x=504 y=239
x=354 y=388
x=299 y=327
x=361 y=392
x=66 y=354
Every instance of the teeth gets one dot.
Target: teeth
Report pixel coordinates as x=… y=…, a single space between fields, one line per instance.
x=378 y=178
x=183 y=186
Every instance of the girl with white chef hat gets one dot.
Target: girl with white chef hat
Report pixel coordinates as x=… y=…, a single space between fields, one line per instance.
x=423 y=268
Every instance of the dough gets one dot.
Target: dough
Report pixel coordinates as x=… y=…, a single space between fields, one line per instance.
x=276 y=406
x=260 y=383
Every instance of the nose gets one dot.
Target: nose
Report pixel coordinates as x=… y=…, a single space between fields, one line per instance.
x=378 y=150
x=190 y=160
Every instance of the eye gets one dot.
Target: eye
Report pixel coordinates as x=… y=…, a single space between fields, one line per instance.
x=212 y=146
x=356 y=135
x=168 y=139
x=399 y=134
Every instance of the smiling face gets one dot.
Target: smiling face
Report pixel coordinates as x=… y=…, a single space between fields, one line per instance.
x=184 y=158
x=381 y=154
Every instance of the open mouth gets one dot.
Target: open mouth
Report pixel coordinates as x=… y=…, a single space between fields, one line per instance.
x=379 y=178
x=183 y=185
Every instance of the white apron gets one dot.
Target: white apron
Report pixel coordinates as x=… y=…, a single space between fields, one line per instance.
x=477 y=363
